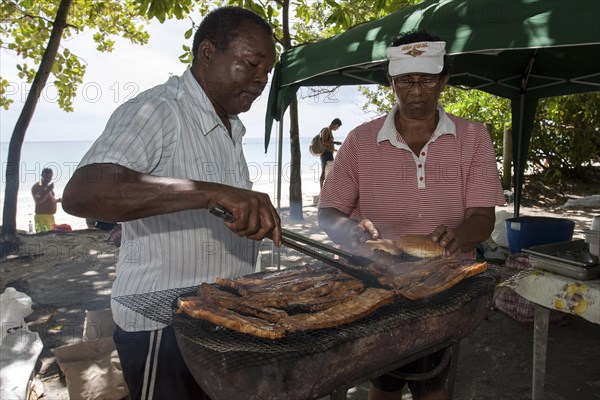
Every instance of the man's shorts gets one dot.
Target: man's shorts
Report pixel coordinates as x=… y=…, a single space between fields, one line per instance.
x=43 y=220
x=325 y=158
x=153 y=367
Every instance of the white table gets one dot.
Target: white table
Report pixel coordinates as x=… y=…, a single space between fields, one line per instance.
x=548 y=291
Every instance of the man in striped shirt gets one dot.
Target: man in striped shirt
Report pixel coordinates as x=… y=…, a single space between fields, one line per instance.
x=164 y=159
x=417 y=170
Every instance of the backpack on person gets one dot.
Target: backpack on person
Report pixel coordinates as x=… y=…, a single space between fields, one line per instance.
x=316 y=146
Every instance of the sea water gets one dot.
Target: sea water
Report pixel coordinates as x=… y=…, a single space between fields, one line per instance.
x=63 y=157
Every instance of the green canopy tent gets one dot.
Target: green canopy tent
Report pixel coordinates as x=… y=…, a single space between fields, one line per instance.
x=522 y=50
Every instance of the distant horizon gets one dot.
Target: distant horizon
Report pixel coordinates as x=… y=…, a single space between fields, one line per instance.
x=50 y=141
x=92 y=140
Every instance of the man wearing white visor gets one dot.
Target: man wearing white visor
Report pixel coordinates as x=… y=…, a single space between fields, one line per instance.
x=416 y=170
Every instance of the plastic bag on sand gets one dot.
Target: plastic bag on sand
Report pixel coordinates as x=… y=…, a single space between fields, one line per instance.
x=499 y=235
x=98 y=324
x=92 y=367
x=19 y=348
x=92 y=370
x=14 y=307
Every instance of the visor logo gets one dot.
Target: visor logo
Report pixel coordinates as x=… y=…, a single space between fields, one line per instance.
x=414 y=52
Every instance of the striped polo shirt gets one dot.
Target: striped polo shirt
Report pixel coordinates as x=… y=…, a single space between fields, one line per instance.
x=173 y=130
x=375 y=175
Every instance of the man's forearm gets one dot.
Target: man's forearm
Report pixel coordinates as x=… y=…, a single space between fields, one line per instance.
x=336 y=224
x=113 y=193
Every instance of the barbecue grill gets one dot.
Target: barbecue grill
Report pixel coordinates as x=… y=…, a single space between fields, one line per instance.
x=312 y=364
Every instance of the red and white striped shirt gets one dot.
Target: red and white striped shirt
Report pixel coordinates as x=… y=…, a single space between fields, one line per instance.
x=375 y=175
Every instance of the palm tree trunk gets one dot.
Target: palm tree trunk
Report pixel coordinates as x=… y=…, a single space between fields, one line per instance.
x=295 y=175
x=295 y=170
x=9 y=215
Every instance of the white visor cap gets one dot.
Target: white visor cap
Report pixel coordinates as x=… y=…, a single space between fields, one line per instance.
x=420 y=57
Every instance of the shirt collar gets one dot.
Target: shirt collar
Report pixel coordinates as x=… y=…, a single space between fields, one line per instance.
x=388 y=131
x=209 y=119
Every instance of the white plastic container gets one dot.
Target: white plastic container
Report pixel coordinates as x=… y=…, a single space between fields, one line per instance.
x=592 y=237
x=596 y=223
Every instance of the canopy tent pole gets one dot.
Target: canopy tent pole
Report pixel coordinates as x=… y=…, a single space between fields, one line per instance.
x=519 y=159
x=280 y=159
x=277 y=250
x=523 y=111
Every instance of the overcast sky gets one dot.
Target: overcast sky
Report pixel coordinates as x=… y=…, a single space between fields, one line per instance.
x=112 y=78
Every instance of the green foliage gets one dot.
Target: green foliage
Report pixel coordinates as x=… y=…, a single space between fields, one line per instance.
x=380 y=99
x=4 y=101
x=344 y=15
x=479 y=106
x=565 y=138
x=164 y=9
x=25 y=28
x=566 y=134
x=309 y=20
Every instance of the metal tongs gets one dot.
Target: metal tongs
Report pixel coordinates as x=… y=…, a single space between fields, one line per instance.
x=290 y=238
x=353 y=266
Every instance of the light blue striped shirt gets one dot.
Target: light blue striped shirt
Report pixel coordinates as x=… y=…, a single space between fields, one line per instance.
x=173 y=130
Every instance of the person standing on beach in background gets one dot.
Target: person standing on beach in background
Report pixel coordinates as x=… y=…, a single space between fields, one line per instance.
x=416 y=170
x=45 y=202
x=164 y=159
x=329 y=143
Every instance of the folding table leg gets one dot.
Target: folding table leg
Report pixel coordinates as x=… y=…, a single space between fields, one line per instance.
x=540 y=344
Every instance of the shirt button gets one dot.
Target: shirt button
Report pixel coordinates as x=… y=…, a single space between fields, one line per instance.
x=423 y=153
x=420 y=165
x=421 y=178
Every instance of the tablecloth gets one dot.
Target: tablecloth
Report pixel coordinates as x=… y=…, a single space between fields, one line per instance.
x=558 y=292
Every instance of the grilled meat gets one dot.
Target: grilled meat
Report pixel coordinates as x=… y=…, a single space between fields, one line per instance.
x=421 y=279
x=271 y=298
x=352 y=310
x=269 y=304
x=196 y=308
x=209 y=294
x=293 y=279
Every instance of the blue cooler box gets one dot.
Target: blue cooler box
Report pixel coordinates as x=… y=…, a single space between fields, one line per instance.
x=523 y=232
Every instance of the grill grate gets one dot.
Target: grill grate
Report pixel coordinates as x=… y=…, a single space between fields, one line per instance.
x=250 y=350
x=156 y=306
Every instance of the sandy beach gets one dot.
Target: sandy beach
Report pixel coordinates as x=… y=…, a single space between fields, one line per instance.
x=68 y=273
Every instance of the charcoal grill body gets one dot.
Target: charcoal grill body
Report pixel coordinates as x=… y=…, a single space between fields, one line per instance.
x=309 y=366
